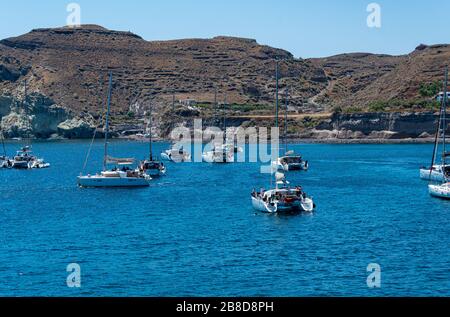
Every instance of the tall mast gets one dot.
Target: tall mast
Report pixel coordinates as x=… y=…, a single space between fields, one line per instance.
x=216 y=106
x=276 y=109
x=224 y=116
x=444 y=120
x=150 y=132
x=286 y=121
x=105 y=157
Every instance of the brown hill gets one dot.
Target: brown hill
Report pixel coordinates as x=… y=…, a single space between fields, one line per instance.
x=362 y=79
x=68 y=65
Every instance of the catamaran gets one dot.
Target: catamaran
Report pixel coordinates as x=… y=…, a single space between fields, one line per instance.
x=119 y=176
x=439 y=172
x=290 y=161
x=24 y=159
x=442 y=190
x=283 y=198
x=152 y=167
x=173 y=154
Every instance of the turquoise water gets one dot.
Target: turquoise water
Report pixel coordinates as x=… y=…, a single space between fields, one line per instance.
x=194 y=233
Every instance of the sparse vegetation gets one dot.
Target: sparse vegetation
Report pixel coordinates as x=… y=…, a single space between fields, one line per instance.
x=430 y=89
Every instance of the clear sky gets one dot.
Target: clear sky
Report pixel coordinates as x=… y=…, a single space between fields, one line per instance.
x=313 y=28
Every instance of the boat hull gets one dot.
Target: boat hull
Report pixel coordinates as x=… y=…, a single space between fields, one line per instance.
x=440 y=191
x=98 y=181
x=305 y=205
x=435 y=176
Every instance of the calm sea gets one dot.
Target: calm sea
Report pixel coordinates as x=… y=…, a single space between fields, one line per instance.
x=194 y=232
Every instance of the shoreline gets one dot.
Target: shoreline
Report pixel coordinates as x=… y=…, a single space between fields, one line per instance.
x=290 y=141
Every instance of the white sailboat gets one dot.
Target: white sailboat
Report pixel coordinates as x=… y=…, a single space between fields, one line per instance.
x=289 y=161
x=152 y=167
x=177 y=155
x=122 y=176
x=442 y=190
x=439 y=172
x=283 y=198
x=221 y=152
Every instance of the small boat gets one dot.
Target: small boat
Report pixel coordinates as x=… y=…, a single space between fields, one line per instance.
x=24 y=159
x=290 y=161
x=152 y=167
x=282 y=199
x=440 y=191
x=115 y=177
x=439 y=172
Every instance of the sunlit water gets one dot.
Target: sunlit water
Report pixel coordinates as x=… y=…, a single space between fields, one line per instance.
x=194 y=233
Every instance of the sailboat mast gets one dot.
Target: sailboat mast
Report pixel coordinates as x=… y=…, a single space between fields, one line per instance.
x=150 y=133
x=276 y=94
x=3 y=141
x=444 y=120
x=105 y=157
x=286 y=121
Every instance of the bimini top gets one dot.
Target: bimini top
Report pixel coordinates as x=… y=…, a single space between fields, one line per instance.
x=119 y=161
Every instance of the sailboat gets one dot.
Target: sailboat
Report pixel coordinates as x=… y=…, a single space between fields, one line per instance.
x=284 y=198
x=439 y=172
x=24 y=159
x=152 y=167
x=442 y=190
x=290 y=161
x=221 y=152
x=121 y=176
x=173 y=154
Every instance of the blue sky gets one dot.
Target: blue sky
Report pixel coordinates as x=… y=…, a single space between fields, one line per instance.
x=311 y=28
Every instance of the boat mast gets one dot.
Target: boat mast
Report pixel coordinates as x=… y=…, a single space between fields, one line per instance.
x=105 y=157
x=3 y=141
x=286 y=121
x=444 y=120
x=276 y=93
x=224 y=120
x=150 y=132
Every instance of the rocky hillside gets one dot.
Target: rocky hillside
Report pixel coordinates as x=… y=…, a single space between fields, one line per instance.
x=361 y=80
x=67 y=68
x=63 y=73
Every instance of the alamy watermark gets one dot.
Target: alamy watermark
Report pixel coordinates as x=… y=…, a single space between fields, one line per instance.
x=374 y=278
x=374 y=17
x=74 y=18
x=74 y=278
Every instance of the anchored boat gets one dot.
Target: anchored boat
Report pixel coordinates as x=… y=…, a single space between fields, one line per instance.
x=282 y=199
x=119 y=176
x=442 y=190
x=439 y=172
x=221 y=152
x=24 y=159
x=290 y=161
x=152 y=167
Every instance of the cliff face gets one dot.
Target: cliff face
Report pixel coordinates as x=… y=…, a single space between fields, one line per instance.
x=377 y=126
